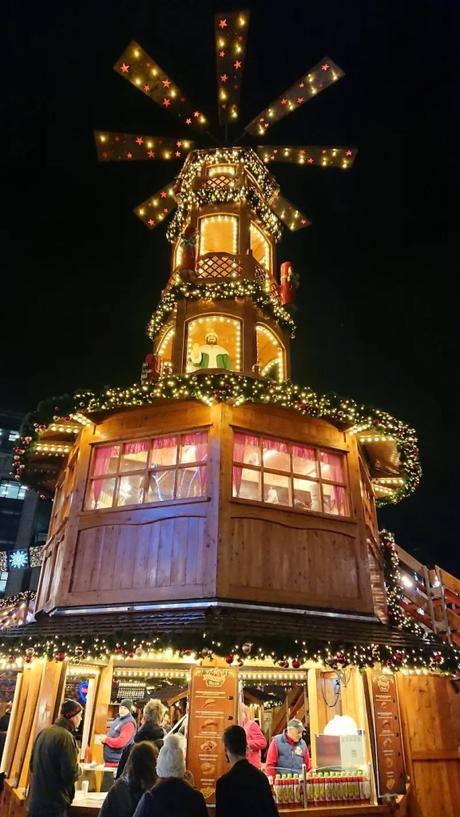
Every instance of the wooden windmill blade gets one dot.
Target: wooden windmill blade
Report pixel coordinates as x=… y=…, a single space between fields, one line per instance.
x=310 y=155
x=136 y=66
x=290 y=215
x=318 y=78
x=157 y=207
x=230 y=29
x=126 y=147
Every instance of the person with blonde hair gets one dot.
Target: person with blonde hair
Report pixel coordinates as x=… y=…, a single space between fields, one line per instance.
x=151 y=730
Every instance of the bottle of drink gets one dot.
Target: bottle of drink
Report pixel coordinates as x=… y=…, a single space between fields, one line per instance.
x=88 y=756
x=310 y=793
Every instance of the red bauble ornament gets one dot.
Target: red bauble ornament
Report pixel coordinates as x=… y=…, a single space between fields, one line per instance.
x=283 y=664
x=229 y=659
x=118 y=650
x=131 y=654
x=60 y=656
x=187 y=652
x=11 y=659
x=295 y=663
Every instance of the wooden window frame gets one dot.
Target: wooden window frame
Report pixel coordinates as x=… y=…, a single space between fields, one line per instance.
x=146 y=471
x=291 y=474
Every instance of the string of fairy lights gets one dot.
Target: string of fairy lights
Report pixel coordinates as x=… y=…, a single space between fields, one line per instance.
x=219 y=291
x=233 y=388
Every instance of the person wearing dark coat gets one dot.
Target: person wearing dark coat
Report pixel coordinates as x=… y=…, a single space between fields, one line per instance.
x=244 y=791
x=150 y=730
x=54 y=765
x=172 y=796
x=140 y=775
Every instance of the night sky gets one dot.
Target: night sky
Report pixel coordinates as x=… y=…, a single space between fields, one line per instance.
x=378 y=316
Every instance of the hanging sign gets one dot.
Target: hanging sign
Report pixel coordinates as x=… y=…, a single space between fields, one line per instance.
x=388 y=738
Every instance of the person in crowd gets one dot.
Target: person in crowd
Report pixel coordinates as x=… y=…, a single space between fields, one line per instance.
x=166 y=722
x=139 y=776
x=172 y=796
x=54 y=764
x=121 y=732
x=244 y=790
x=288 y=752
x=150 y=730
x=256 y=739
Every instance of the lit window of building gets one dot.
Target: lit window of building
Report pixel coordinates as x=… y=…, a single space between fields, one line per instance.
x=277 y=472
x=218 y=233
x=153 y=470
x=12 y=490
x=214 y=342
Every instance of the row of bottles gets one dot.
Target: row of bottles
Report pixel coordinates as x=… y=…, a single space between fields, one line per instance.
x=346 y=786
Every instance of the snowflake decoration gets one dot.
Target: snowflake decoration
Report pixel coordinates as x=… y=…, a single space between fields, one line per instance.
x=18 y=559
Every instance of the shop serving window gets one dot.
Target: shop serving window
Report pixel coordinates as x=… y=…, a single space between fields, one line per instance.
x=277 y=472
x=152 y=470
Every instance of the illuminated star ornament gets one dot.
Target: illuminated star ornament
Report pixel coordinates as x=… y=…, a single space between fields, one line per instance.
x=230 y=39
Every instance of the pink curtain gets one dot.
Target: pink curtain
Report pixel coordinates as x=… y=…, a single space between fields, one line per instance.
x=101 y=464
x=335 y=463
x=276 y=445
x=136 y=447
x=200 y=440
x=240 y=441
x=164 y=442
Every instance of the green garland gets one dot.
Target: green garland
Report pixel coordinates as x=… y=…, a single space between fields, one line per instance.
x=397 y=616
x=221 y=291
x=229 y=388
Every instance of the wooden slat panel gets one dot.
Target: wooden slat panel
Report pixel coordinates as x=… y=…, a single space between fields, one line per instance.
x=451 y=582
x=30 y=689
x=409 y=560
x=437 y=788
x=313 y=564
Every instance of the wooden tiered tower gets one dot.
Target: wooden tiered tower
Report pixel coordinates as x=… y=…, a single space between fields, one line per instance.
x=214 y=507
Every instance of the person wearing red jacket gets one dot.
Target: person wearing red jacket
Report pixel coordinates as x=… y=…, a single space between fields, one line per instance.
x=288 y=752
x=121 y=732
x=255 y=738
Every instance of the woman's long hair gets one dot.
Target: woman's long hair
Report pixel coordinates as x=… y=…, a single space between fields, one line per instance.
x=141 y=768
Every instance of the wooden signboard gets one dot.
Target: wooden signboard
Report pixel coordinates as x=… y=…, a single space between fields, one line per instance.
x=213 y=706
x=388 y=739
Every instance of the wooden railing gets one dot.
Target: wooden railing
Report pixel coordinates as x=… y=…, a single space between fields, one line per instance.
x=431 y=596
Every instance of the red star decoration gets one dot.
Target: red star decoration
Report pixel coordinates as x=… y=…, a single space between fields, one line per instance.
x=163 y=194
x=303 y=220
x=139 y=140
x=105 y=154
x=124 y=68
x=196 y=114
x=310 y=161
x=325 y=67
x=221 y=53
x=166 y=102
x=129 y=155
x=151 y=154
x=177 y=154
x=284 y=101
x=179 y=144
x=223 y=77
x=237 y=64
x=188 y=121
x=301 y=85
x=223 y=23
x=299 y=100
x=146 y=88
x=151 y=222
x=166 y=83
x=165 y=210
x=348 y=153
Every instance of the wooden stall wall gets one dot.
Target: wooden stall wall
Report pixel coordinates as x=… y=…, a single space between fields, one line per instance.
x=430 y=714
x=275 y=554
x=136 y=554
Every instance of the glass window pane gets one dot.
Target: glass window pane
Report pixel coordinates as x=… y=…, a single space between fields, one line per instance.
x=304 y=461
x=246 y=448
x=161 y=486
x=246 y=483
x=335 y=500
x=164 y=452
x=101 y=493
x=105 y=460
x=134 y=456
x=276 y=489
x=331 y=466
x=191 y=482
x=307 y=495
x=276 y=455
x=130 y=490
x=194 y=447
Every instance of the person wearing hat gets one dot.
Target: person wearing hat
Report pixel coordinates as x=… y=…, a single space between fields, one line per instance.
x=172 y=796
x=288 y=752
x=121 y=732
x=54 y=764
